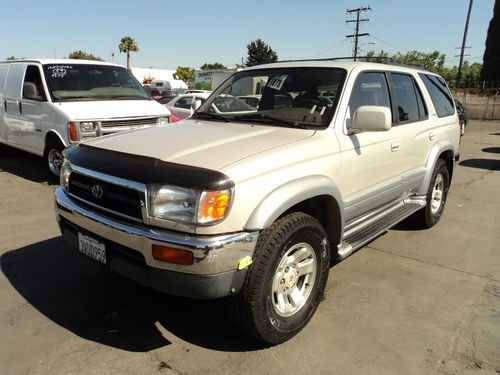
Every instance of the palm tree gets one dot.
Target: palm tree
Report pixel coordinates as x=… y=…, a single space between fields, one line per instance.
x=128 y=44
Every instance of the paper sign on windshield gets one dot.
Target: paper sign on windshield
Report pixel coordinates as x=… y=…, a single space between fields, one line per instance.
x=277 y=81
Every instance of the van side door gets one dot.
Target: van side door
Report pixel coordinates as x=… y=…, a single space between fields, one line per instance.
x=36 y=112
x=12 y=103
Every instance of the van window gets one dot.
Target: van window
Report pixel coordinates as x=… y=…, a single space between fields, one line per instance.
x=3 y=75
x=32 y=85
x=440 y=95
x=92 y=82
x=14 y=79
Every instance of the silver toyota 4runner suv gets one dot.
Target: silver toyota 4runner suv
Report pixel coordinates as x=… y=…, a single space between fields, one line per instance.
x=254 y=203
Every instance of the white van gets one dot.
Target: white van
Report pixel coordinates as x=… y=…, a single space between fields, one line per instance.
x=47 y=105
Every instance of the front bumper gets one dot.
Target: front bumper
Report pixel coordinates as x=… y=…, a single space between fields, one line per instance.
x=214 y=273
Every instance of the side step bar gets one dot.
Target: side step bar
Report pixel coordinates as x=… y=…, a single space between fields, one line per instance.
x=366 y=231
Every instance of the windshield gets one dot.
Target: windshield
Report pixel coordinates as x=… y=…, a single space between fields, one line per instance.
x=299 y=96
x=92 y=82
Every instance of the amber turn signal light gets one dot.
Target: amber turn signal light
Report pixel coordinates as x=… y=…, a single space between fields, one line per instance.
x=73 y=132
x=171 y=255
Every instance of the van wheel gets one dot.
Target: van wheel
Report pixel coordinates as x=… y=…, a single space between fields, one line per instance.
x=53 y=159
x=436 y=196
x=286 y=281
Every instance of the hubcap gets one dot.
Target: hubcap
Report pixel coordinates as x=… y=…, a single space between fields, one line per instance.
x=55 y=160
x=294 y=279
x=437 y=194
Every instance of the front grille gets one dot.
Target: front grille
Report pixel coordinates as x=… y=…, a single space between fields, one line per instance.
x=134 y=122
x=116 y=198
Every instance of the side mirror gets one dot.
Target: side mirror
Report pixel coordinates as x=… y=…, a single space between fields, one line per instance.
x=371 y=118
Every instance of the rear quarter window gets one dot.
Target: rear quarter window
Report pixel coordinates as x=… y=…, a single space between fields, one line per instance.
x=440 y=95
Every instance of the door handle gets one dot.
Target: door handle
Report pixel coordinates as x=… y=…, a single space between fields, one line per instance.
x=395 y=146
x=432 y=135
x=20 y=107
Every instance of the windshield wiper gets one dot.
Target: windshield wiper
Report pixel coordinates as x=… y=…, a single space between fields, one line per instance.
x=267 y=118
x=120 y=97
x=210 y=115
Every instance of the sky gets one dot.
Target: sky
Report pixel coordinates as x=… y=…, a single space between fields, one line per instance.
x=173 y=33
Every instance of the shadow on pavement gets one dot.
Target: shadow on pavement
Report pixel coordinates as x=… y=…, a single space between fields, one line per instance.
x=488 y=164
x=492 y=150
x=98 y=305
x=24 y=165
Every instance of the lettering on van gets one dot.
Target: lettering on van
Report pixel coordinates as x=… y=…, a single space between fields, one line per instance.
x=59 y=71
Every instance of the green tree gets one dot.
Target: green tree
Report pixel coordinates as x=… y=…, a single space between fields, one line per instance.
x=491 y=58
x=260 y=52
x=127 y=45
x=434 y=62
x=81 y=55
x=12 y=58
x=185 y=73
x=214 y=66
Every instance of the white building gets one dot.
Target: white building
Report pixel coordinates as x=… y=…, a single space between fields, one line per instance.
x=150 y=74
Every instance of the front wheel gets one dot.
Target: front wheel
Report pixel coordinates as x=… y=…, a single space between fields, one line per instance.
x=286 y=281
x=53 y=158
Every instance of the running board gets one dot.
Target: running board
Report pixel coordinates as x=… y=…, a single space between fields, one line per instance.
x=363 y=233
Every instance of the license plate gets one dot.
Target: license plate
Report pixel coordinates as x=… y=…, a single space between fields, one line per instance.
x=92 y=248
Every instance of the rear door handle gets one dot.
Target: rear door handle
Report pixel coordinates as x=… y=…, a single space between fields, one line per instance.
x=432 y=135
x=395 y=146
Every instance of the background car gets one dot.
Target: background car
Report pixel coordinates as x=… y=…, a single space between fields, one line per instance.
x=462 y=115
x=164 y=96
x=184 y=105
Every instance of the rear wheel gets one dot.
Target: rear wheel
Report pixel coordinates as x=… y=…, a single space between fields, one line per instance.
x=285 y=283
x=53 y=159
x=436 y=196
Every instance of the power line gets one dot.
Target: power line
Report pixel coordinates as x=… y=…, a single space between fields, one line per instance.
x=357 y=34
x=331 y=47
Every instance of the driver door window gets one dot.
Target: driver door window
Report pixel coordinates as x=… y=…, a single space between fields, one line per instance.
x=370 y=89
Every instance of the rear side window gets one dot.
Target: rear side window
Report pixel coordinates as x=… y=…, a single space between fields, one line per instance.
x=370 y=89
x=408 y=99
x=184 y=102
x=440 y=95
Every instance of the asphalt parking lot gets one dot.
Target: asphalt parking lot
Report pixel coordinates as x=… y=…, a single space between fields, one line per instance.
x=411 y=302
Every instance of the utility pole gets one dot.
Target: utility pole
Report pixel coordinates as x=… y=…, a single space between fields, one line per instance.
x=356 y=34
x=460 y=64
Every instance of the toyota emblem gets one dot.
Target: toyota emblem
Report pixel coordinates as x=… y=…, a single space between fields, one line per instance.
x=97 y=191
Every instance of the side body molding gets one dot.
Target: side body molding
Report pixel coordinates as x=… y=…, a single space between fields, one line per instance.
x=290 y=194
x=437 y=149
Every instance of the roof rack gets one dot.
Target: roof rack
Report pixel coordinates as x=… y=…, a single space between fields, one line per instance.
x=382 y=60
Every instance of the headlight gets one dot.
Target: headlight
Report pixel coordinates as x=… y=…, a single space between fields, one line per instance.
x=163 y=121
x=64 y=174
x=87 y=127
x=172 y=203
x=187 y=205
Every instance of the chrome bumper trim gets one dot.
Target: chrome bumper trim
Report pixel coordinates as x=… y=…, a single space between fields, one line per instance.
x=212 y=254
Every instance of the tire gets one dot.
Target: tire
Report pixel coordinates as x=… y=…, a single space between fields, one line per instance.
x=436 y=196
x=53 y=159
x=290 y=255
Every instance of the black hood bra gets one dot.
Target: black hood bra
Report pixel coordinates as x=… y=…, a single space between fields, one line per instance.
x=146 y=169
